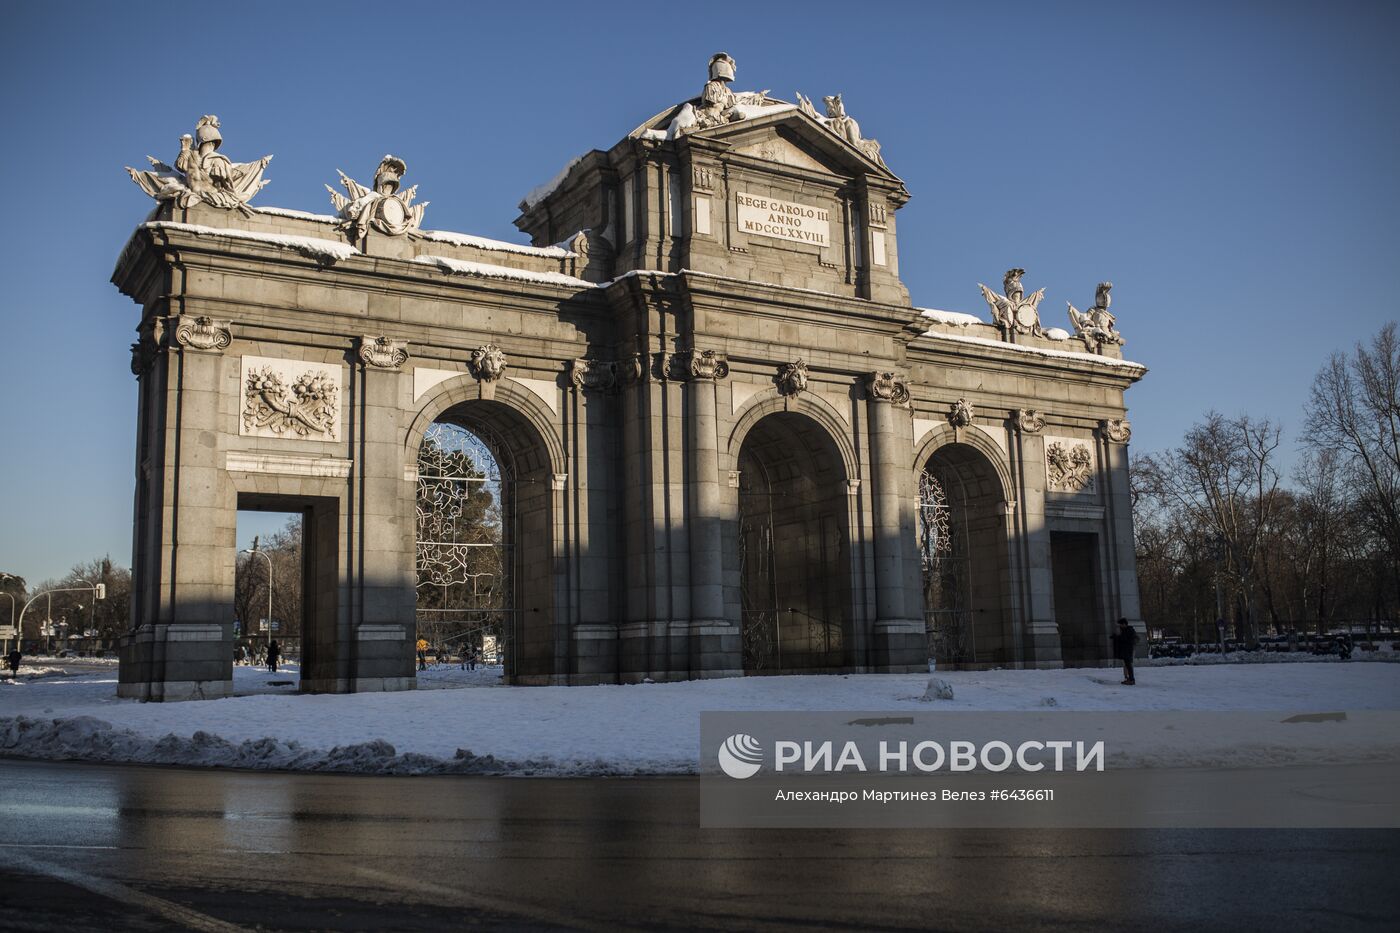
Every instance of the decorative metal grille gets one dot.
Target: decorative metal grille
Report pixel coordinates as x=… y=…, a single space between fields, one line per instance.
x=946 y=572
x=463 y=548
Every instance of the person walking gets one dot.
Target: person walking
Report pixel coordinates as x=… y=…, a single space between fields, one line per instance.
x=12 y=661
x=1124 y=643
x=274 y=651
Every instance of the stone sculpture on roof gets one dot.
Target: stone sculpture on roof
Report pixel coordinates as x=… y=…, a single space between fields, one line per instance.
x=384 y=208
x=1096 y=324
x=717 y=104
x=1013 y=312
x=202 y=173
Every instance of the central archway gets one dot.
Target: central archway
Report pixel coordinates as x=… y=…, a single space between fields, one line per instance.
x=794 y=557
x=484 y=540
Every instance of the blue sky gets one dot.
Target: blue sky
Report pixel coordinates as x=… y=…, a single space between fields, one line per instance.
x=1230 y=166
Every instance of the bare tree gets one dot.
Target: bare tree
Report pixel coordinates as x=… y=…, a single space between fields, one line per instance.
x=1354 y=410
x=1224 y=479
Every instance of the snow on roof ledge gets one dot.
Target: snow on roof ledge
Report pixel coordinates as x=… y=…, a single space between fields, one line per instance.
x=299 y=215
x=311 y=247
x=538 y=193
x=502 y=246
x=950 y=317
x=486 y=270
x=1042 y=351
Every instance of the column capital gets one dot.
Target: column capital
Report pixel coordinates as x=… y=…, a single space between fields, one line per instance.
x=1028 y=420
x=887 y=387
x=593 y=375
x=203 y=333
x=383 y=353
x=1116 y=430
x=698 y=364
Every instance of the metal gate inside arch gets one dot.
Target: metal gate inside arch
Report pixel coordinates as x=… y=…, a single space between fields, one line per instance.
x=947 y=571
x=465 y=598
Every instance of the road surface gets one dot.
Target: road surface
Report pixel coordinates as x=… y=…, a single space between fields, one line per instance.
x=113 y=848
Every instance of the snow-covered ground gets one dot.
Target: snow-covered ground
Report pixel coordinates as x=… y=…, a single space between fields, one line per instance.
x=653 y=728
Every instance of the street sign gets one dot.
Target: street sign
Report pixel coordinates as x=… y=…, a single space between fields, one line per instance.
x=7 y=631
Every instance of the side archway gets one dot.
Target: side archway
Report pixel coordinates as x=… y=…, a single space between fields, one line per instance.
x=963 y=551
x=486 y=512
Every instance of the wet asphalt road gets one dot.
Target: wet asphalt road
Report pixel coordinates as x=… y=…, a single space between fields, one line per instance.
x=104 y=848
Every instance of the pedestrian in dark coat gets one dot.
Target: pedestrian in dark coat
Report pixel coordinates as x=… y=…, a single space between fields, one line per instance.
x=274 y=651
x=13 y=660
x=1124 y=643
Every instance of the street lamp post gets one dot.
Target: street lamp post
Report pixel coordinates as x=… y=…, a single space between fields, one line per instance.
x=98 y=591
x=254 y=550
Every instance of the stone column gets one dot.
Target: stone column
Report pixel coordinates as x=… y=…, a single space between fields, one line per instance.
x=1040 y=634
x=713 y=639
x=898 y=642
x=374 y=648
x=1121 y=575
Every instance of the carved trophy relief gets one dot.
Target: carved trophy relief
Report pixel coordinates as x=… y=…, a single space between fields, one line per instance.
x=382 y=208
x=203 y=174
x=487 y=363
x=792 y=378
x=290 y=399
x=1012 y=311
x=383 y=353
x=1069 y=465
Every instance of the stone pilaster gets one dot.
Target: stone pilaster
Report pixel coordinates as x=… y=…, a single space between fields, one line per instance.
x=180 y=646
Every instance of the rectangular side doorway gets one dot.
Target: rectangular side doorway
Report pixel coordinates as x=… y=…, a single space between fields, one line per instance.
x=1074 y=568
x=296 y=539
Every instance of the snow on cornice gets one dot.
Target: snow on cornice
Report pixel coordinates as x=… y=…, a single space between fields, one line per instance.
x=312 y=247
x=481 y=242
x=538 y=193
x=299 y=215
x=486 y=270
x=1126 y=365
x=957 y=318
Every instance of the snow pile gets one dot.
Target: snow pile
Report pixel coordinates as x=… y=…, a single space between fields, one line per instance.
x=467 y=267
x=651 y=729
x=481 y=242
x=85 y=738
x=1056 y=333
x=538 y=193
x=937 y=689
x=950 y=317
x=321 y=250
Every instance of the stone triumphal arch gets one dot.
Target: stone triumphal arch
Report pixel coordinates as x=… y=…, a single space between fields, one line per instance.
x=696 y=429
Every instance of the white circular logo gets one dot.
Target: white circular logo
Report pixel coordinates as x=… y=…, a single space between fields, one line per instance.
x=740 y=756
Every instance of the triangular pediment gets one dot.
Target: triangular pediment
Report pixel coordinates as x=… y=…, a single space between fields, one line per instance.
x=774 y=148
x=790 y=137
